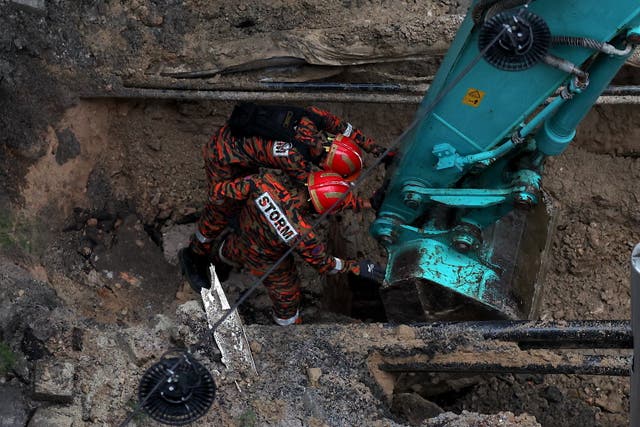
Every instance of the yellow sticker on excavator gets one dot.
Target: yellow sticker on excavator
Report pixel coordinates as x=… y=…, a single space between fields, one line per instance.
x=473 y=97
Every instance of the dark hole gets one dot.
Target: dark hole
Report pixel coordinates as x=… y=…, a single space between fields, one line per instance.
x=366 y=303
x=246 y=23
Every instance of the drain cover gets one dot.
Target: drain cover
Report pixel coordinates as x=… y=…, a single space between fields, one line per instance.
x=176 y=390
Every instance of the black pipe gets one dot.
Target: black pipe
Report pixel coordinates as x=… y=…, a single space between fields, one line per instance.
x=622 y=90
x=619 y=366
x=540 y=334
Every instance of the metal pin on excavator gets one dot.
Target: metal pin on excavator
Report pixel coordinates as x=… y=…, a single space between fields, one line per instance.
x=453 y=219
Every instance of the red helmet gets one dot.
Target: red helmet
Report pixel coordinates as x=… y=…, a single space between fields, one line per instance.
x=344 y=158
x=325 y=188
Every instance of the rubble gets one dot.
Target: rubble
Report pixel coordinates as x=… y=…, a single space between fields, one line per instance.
x=39 y=6
x=54 y=381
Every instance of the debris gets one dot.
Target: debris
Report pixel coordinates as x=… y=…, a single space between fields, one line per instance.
x=175 y=238
x=255 y=346
x=53 y=381
x=314 y=375
x=129 y=278
x=39 y=6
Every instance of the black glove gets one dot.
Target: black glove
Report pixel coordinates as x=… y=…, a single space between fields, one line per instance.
x=377 y=199
x=369 y=270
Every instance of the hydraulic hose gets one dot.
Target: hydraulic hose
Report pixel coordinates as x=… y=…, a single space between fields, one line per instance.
x=502 y=6
x=590 y=44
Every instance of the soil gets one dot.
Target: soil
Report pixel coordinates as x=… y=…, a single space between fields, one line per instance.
x=88 y=185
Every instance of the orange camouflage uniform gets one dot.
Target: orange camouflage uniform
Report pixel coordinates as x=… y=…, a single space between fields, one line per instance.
x=271 y=221
x=228 y=157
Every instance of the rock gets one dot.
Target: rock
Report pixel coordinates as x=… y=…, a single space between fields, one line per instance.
x=256 y=347
x=192 y=322
x=146 y=345
x=611 y=403
x=314 y=375
x=53 y=381
x=151 y=18
x=175 y=238
x=405 y=332
x=51 y=417
x=414 y=408
x=77 y=335
x=553 y=394
x=13 y=411
x=38 y=6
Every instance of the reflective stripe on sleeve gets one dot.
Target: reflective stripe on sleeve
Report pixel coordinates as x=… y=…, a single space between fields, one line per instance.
x=201 y=238
x=339 y=266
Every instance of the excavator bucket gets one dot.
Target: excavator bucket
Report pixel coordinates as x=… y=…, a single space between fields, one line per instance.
x=417 y=291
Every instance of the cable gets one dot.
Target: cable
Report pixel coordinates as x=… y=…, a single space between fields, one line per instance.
x=368 y=171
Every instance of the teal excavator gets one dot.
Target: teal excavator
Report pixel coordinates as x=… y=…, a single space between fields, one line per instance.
x=463 y=214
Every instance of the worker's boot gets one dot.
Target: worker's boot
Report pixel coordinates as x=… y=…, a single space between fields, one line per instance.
x=195 y=268
x=295 y=320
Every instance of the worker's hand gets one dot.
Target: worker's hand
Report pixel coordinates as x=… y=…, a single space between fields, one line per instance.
x=377 y=150
x=368 y=269
x=366 y=143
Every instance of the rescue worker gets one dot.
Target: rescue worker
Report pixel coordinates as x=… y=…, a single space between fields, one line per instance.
x=274 y=218
x=278 y=137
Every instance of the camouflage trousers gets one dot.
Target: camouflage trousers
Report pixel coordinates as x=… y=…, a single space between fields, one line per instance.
x=283 y=283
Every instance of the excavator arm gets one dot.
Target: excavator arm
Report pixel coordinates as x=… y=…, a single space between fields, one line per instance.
x=516 y=82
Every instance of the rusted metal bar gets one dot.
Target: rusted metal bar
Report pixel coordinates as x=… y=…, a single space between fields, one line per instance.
x=292 y=96
x=580 y=364
x=267 y=96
